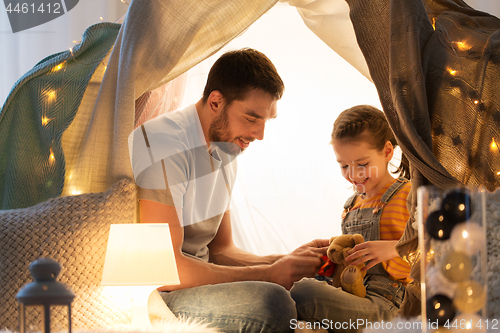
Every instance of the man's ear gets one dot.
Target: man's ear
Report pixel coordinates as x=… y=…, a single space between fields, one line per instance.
x=215 y=101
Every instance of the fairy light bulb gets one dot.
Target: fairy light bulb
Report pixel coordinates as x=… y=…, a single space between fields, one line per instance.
x=51 y=95
x=430 y=255
x=52 y=157
x=438 y=226
x=45 y=120
x=493 y=145
x=434 y=23
x=451 y=71
x=470 y=297
x=457 y=205
x=440 y=309
x=59 y=67
x=76 y=192
x=456 y=266
x=462 y=45
x=468 y=237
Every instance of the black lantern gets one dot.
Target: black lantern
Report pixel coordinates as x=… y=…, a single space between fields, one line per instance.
x=45 y=291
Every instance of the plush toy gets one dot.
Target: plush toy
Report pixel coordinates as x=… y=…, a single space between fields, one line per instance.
x=349 y=277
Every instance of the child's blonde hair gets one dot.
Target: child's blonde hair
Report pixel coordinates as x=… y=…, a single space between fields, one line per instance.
x=367 y=124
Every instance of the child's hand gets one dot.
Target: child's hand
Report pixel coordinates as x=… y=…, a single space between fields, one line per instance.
x=373 y=251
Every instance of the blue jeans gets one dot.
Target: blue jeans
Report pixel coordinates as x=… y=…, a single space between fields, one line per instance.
x=249 y=306
x=339 y=311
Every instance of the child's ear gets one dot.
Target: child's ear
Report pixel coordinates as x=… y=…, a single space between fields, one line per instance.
x=388 y=151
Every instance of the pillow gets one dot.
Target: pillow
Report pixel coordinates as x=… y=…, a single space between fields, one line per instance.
x=73 y=231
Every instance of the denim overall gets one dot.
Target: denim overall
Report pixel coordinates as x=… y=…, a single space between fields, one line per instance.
x=318 y=302
x=366 y=221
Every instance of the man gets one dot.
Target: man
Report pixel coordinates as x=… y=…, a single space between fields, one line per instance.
x=185 y=165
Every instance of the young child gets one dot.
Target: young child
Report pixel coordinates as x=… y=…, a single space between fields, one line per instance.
x=363 y=144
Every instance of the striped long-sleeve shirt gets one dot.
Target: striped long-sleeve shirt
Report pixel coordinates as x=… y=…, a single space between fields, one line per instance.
x=392 y=225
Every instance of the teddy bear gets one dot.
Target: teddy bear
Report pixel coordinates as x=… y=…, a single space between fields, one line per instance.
x=349 y=277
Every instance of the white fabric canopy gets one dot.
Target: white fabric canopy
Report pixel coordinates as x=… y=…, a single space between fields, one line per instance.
x=160 y=40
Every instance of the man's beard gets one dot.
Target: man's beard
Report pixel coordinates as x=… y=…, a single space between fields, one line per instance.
x=220 y=134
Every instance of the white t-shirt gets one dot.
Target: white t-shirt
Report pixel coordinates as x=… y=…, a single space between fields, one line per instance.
x=172 y=165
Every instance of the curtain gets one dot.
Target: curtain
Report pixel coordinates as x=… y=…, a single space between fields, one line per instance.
x=435 y=66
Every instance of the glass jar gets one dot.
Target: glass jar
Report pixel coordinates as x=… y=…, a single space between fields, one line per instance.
x=452 y=242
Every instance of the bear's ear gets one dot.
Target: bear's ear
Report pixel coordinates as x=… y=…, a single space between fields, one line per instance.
x=358 y=239
x=335 y=254
x=331 y=239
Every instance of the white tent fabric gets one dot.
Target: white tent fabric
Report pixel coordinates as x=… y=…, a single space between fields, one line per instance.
x=289 y=190
x=145 y=57
x=330 y=21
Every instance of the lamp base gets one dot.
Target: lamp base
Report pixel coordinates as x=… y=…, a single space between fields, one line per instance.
x=140 y=296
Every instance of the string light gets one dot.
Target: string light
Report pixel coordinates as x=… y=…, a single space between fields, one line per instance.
x=494 y=148
x=52 y=157
x=45 y=120
x=451 y=71
x=493 y=145
x=124 y=2
x=434 y=23
x=51 y=95
x=462 y=45
x=76 y=192
x=59 y=67
x=101 y=18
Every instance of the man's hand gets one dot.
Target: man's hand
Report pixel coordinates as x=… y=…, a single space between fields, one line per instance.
x=373 y=251
x=303 y=262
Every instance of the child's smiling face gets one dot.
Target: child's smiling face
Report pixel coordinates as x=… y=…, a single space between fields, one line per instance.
x=364 y=166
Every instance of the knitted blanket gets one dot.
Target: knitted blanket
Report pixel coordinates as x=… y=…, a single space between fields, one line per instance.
x=40 y=107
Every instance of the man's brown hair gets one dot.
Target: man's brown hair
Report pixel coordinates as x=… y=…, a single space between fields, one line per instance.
x=235 y=73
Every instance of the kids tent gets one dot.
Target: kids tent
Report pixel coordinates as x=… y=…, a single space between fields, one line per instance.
x=433 y=62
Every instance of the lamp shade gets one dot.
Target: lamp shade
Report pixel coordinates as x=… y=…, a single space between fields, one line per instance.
x=140 y=254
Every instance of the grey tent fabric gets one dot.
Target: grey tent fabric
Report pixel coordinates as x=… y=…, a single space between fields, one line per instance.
x=40 y=107
x=435 y=64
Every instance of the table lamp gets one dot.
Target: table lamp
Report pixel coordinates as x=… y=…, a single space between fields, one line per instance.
x=140 y=256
